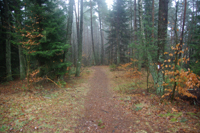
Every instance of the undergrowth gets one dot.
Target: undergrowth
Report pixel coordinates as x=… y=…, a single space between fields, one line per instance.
x=46 y=108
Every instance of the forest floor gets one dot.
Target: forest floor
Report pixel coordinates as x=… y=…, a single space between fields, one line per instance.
x=100 y=100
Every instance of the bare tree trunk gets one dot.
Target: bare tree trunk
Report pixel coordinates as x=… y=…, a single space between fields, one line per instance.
x=101 y=32
x=77 y=33
x=8 y=46
x=152 y=19
x=135 y=20
x=21 y=55
x=182 y=33
x=21 y=63
x=130 y=50
x=162 y=36
x=95 y=58
x=80 y=42
x=69 y=30
x=141 y=33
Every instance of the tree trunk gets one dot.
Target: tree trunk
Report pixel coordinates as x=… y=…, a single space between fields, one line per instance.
x=21 y=55
x=101 y=32
x=78 y=67
x=182 y=32
x=118 y=50
x=8 y=46
x=69 y=30
x=135 y=21
x=152 y=19
x=21 y=63
x=135 y=28
x=162 y=35
x=95 y=58
x=141 y=33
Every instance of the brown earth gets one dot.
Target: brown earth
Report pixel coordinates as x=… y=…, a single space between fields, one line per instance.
x=104 y=113
x=100 y=101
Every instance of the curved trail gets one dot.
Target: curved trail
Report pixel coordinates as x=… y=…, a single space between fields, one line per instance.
x=102 y=112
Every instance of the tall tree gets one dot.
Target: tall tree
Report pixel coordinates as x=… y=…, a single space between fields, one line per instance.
x=152 y=19
x=101 y=4
x=8 y=39
x=80 y=37
x=162 y=36
x=50 y=49
x=135 y=20
x=182 y=32
x=119 y=33
x=91 y=27
x=18 y=20
x=141 y=33
x=69 y=32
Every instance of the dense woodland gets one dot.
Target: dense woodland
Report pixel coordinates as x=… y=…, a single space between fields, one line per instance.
x=49 y=38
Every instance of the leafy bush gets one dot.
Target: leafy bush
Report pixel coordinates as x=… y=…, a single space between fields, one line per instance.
x=181 y=79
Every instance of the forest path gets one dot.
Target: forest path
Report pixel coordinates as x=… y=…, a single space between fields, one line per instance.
x=103 y=113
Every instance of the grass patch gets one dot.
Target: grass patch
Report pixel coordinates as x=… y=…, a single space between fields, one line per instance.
x=125 y=88
x=193 y=115
x=3 y=128
x=46 y=107
x=102 y=126
x=183 y=120
x=174 y=116
x=100 y=122
x=112 y=67
x=138 y=107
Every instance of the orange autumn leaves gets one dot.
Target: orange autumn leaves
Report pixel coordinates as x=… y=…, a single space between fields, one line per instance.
x=130 y=71
x=184 y=79
x=30 y=40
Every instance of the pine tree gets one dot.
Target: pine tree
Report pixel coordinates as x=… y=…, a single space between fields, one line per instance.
x=8 y=40
x=102 y=11
x=162 y=36
x=119 y=33
x=80 y=38
x=195 y=50
x=50 y=51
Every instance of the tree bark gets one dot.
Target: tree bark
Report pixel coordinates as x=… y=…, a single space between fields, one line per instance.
x=91 y=25
x=8 y=46
x=141 y=33
x=162 y=35
x=182 y=32
x=152 y=19
x=69 y=30
x=79 y=62
x=21 y=63
x=101 y=32
x=135 y=21
x=20 y=49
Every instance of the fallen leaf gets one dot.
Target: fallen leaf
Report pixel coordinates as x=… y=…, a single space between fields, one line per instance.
x=174 y=110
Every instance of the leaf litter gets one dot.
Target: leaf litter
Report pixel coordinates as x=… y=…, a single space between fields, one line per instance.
x=100 y=97
x=47 y=108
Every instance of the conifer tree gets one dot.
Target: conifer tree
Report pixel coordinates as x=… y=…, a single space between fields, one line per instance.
x=162 y=36
x=8 y=40
x=80 y=38
x=119 y=33
x=50 y=52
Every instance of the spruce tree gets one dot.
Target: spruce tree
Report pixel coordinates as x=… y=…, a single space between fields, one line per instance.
x=50 y=20
x=119 y=33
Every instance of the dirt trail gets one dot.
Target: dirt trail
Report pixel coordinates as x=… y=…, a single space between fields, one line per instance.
x=105 y=112
x=102 y=112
